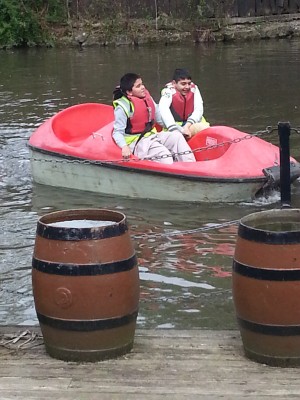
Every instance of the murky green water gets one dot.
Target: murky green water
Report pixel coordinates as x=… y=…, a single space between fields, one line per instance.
x=185 y=274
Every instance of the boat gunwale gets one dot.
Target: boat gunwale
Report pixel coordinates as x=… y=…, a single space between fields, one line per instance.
x=115 y=165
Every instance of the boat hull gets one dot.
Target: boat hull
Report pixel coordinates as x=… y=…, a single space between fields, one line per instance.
x=115 y=179
x=75 y=149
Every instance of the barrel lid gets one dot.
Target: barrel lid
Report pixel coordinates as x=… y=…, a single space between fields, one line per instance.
x=277 y=226
x=117 y=227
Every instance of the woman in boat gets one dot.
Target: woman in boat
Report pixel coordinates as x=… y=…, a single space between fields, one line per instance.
x=134 y=131
x=181 y=105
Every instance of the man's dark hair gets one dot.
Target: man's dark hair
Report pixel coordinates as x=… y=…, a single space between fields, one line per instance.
x=181 y=73
x=127 y=81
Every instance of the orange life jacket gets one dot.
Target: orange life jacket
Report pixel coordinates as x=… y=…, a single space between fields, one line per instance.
x=141 y=115
x=181 y=106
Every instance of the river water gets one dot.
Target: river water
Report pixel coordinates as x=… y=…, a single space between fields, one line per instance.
x=185 y=277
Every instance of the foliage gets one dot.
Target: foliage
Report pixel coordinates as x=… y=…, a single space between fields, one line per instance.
x=25 y=22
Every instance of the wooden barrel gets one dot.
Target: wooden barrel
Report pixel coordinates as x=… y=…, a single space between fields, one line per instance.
x=266 y=286
x=85 y=284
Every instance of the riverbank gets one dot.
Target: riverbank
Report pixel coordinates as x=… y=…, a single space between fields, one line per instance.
x=163 y=364
x=167 y=31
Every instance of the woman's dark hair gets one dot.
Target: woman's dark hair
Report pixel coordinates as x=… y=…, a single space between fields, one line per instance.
x=126 y=84
x=117 y=93
x=181 y=73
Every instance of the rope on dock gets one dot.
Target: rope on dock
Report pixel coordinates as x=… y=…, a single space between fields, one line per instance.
x=21 y=340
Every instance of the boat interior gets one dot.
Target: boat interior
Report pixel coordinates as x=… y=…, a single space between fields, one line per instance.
x=208 y=142
x=73 y=128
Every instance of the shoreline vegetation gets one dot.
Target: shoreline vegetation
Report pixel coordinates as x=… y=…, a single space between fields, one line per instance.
x=53 y=23
x=167 y=31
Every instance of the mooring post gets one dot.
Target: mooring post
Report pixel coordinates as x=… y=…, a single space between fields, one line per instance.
x=284 y=131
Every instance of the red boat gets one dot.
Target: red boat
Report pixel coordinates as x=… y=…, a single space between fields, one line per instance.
x=75 y=149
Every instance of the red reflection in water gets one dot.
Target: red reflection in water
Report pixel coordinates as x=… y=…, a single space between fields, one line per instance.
x=195 y=253
x=219 y=273
x=226 y=249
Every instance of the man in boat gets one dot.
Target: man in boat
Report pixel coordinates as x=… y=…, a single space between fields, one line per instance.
x=181 y=105
x=134 y=131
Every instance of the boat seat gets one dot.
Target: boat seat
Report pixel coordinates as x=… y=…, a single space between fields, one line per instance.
x=206 y=139
x=75 y=124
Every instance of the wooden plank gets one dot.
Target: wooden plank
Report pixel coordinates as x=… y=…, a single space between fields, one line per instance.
x=264 y=7
x=164 y=364
x=246 y=8
x=231 y=9
x=294 y=6
x=269 y=18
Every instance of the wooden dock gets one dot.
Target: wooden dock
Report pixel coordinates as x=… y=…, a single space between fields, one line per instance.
x=164 y=364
